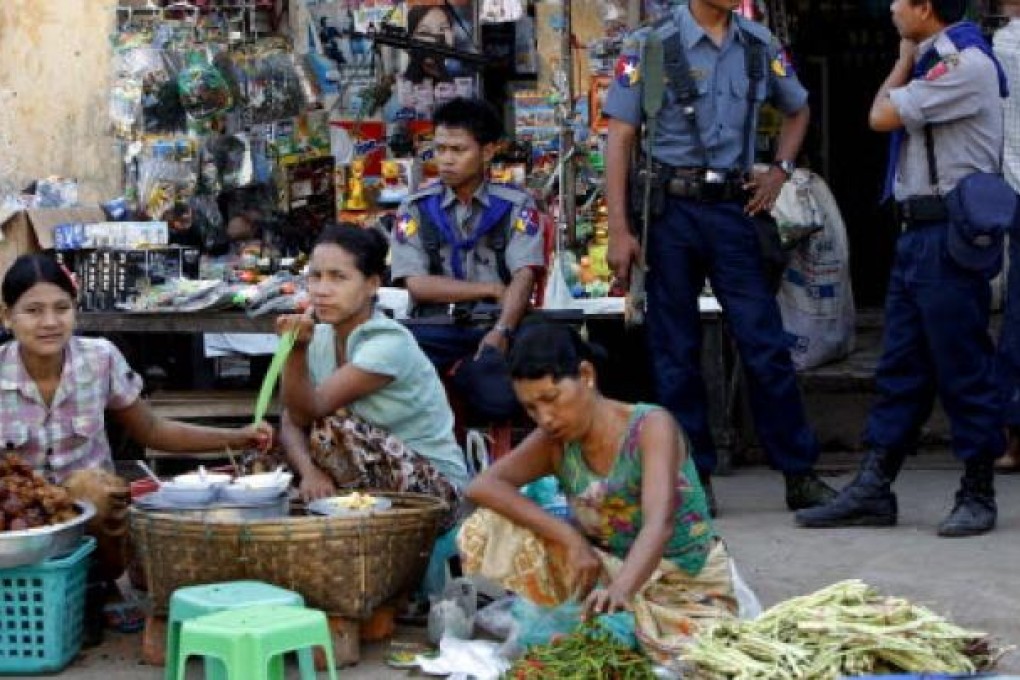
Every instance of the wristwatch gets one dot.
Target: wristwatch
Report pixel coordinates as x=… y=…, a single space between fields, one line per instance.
x=786 y=166
x=505 y=330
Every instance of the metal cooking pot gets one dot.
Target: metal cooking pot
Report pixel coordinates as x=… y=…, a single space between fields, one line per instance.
x=31 y=546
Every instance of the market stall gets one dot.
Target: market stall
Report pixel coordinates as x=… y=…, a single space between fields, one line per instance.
x=245 y=127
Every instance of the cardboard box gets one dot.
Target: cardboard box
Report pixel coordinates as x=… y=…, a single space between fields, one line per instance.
x=30 y=231
x=78 y=236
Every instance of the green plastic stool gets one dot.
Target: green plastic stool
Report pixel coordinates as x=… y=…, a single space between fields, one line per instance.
x=194 y=601
x=251 y=641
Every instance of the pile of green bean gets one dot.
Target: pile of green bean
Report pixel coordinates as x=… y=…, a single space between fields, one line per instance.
x=589 y=653
x=845 y=629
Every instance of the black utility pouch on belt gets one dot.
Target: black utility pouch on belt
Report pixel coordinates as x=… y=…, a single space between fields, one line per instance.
x=774 y=257
x=636 y=185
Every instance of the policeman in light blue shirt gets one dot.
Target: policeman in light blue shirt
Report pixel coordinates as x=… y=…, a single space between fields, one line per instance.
x=942 y=102
x=718 y=69
x=465 y=244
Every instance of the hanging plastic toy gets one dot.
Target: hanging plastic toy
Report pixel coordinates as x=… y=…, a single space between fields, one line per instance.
x=205 y=93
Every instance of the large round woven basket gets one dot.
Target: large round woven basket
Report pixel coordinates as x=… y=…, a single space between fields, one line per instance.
x=346 y=566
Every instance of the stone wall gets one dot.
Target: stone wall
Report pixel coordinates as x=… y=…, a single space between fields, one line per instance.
x=54 y=74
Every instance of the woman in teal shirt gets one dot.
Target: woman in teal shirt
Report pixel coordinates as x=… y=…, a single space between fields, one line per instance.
x=640 y=538
x=363 y=405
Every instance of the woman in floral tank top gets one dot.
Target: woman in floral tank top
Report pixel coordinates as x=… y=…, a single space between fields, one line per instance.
x=640 y=537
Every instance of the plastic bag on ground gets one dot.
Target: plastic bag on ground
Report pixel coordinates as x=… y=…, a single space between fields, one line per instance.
x=496 y=618
x=466 y=658
x=815 y=297
x=538 y=625
x=748 y=605
x=453 y=614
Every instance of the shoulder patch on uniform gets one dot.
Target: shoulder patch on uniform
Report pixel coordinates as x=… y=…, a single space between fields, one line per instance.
x=405 y=228
x=781 y=64
x=944 y=66
x=528 y=222
x=628 y=70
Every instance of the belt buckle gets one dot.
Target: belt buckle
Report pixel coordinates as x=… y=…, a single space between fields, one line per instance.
x=714 y=177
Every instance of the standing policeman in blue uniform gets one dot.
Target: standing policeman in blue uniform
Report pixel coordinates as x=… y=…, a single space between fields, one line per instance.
x=719 y=67
x=943 y=103
x=466 y=244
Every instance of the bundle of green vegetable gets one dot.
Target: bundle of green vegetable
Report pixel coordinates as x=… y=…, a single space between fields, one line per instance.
x=845 y=629
x=589 y=653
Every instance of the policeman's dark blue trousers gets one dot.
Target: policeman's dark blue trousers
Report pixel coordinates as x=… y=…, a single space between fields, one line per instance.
x=1009 y=340
x=446 y=344
x=692 y=240
x=935 y=342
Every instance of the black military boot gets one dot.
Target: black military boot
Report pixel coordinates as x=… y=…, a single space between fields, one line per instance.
x=975 y=511
x=866 y=501
x=807 y=491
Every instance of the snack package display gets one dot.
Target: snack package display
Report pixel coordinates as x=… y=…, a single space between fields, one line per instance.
x=204 y=91
x=265 y=83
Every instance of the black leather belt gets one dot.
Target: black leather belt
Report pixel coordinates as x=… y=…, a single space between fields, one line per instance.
x=919 y=210
x=711 y=186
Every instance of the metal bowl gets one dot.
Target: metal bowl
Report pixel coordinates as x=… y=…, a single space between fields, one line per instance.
x=333 y=507
x=270 y=508
x=31 y=546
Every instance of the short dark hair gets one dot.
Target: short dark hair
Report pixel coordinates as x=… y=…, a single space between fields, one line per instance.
x=947 y=11
x=367 y=245
x=477 y=116
x=28 y=270
x=549 y=350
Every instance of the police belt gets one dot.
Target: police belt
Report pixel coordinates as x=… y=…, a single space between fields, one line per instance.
x=710 y=186
x=921 y=210
x=454 y=314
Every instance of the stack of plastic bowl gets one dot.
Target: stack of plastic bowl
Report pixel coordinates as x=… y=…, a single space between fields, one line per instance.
x=196 y=488
x=256 y=488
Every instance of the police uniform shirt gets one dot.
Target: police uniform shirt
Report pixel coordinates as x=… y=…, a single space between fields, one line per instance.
x=524 y=247
x=720 y=73
x=959 y=96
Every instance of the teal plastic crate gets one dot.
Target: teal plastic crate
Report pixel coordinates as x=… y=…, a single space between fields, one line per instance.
x=42 y=612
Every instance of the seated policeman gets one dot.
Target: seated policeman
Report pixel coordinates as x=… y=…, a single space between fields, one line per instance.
x=464 y=242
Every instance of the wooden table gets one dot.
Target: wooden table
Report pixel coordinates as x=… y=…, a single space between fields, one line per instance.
x=174 y=322
x=628 y=378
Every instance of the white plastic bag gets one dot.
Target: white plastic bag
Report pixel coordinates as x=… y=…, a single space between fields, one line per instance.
x=496 y=618
x=453 y=614
x=748 y=605
x=457 y=658
x=557 y=293
x=815 y=297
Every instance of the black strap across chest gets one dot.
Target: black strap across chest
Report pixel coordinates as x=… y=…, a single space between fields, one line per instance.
x=680 y=79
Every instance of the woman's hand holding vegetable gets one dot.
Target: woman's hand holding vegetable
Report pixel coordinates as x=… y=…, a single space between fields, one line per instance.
x=304 y=324
x=256 y=436
x=609 y=600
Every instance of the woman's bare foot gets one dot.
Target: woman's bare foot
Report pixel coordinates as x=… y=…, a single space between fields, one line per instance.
x=1010 y=462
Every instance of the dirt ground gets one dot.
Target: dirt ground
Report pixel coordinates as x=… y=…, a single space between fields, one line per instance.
x=975 y=582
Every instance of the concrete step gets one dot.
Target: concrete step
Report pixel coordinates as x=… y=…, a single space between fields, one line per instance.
x=838 y=396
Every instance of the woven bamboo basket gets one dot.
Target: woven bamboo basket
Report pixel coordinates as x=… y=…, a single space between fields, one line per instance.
x=346 y=566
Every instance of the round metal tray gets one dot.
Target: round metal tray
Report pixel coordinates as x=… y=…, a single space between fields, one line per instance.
x=31 y=546
x=330 y=508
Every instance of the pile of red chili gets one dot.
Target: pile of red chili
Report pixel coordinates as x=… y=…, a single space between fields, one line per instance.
x=590 y=653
